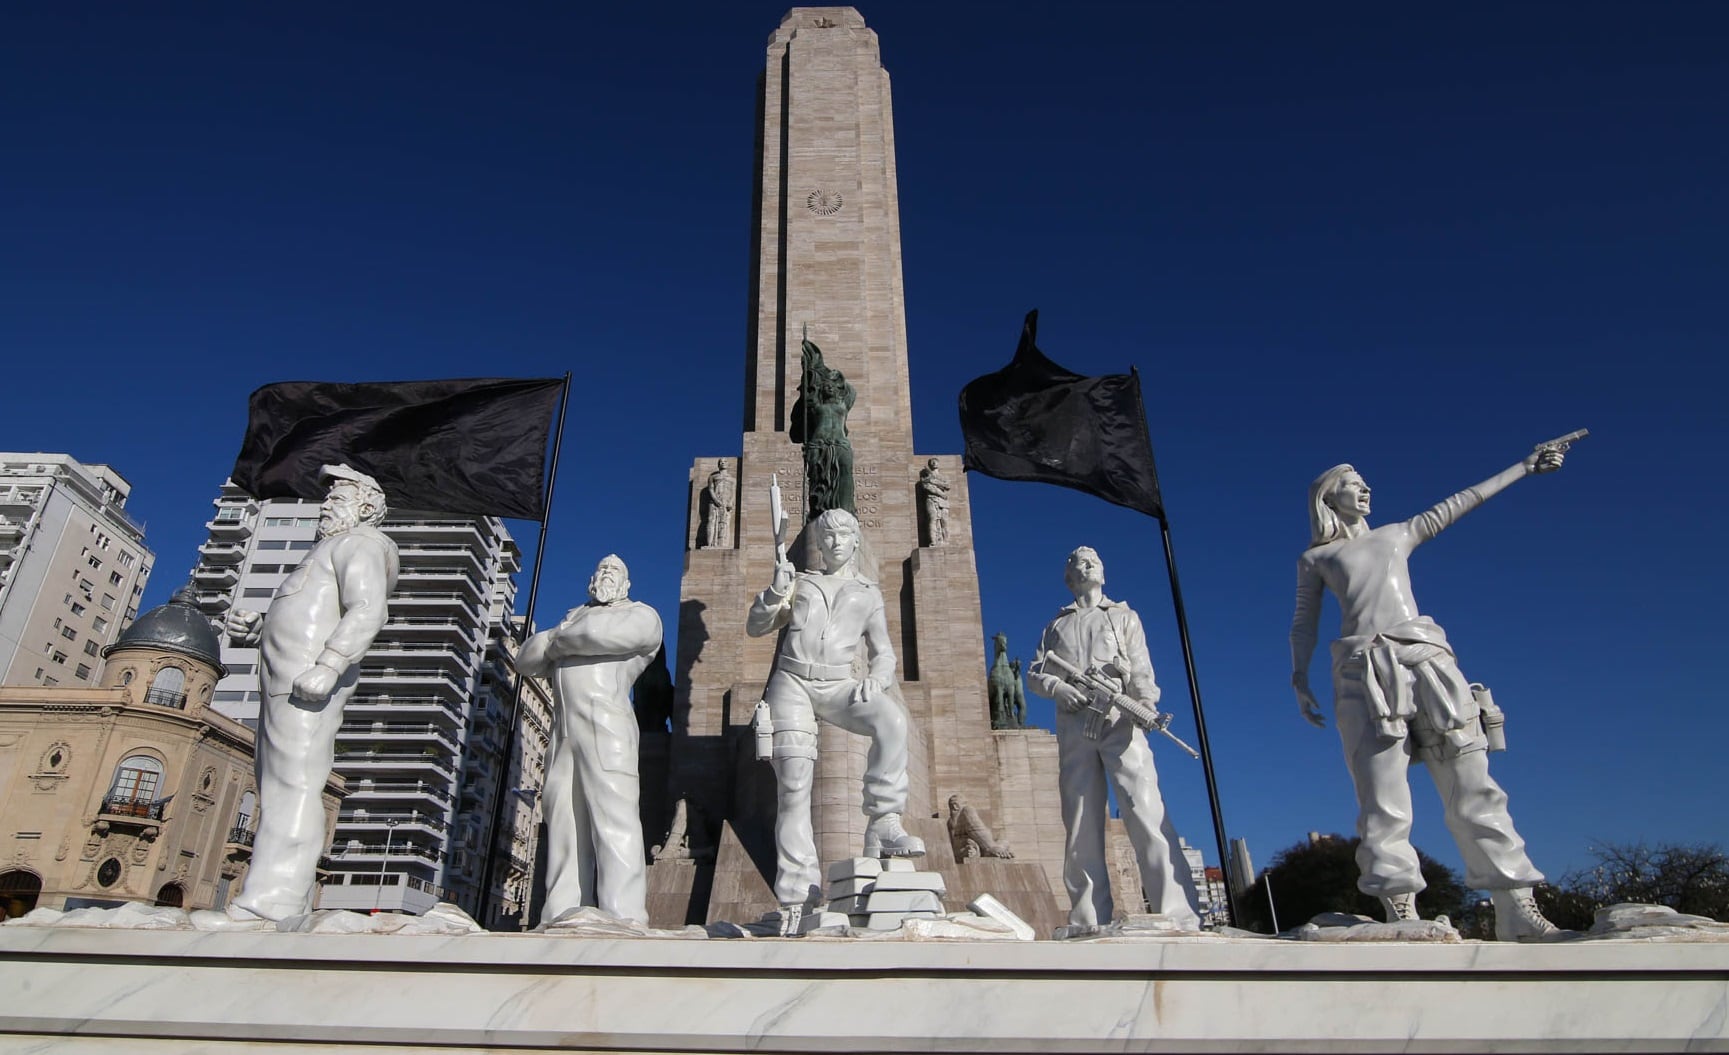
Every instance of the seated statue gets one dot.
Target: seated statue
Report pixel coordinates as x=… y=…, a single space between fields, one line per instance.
x=968 y=834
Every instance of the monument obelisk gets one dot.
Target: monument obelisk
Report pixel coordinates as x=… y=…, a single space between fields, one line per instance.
x=827 y=257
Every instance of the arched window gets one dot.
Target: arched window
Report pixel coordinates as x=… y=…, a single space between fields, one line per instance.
x=172 y=895
x=246 y=821
x=136 y=781
x=18 y=892
x=168 y=689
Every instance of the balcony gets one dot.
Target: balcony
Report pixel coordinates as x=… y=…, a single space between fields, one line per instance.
x=216 y=577
x=420 y=678
x=11 y=529
x=441 y=603
x=228 y=529
x=403 y=654
x=409 y=531
x=466 y=560
x=394 y=819
x=416 y=628
x=144 y=816
x=358 y=853
x=418 y=580
x=221 y=553
x=400 y=707
x=354 y=762
x=372 y=791
x=238 y=845
x=166 y=698
x=416 y=735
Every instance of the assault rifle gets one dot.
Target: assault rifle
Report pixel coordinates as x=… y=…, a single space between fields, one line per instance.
x=1102 y=695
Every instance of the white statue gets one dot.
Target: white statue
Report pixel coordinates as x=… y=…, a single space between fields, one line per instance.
x=717 y=526
x=320 y=623
x=1101 y=637
x=1398 y=695
x=827 y=614
x=934 y=489
x=594 y=844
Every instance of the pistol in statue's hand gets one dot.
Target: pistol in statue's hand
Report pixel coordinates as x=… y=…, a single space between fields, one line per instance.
x=1547 y=456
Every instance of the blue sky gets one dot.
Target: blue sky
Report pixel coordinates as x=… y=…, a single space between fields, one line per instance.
x=1416 y=238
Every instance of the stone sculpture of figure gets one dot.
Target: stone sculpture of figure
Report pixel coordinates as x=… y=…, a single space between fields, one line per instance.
x=827 y=615
x=719 y=497
x=652 y=695
x=676 y=845
x=819 y=423
x=310 y=642
x=934 y=489
x=1020 y=695
x=593 y=830
x=1097 y=633
x=1001 y=685
x=1398 y=696
x=968 y=834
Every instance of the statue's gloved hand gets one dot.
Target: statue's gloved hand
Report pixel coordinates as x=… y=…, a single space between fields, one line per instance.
x=784 y=573
x=1306 y=702
x=243 y=627
x=1070 y=698
x=315 y=684
x=867 y=690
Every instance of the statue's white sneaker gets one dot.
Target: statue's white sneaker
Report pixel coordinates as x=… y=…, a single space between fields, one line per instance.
x=1517 y=917
x=886 y=838
x=1399 y=907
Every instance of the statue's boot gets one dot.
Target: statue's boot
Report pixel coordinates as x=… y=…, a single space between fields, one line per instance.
x=1517 y=917
x=1399 y=907
x=885 y=837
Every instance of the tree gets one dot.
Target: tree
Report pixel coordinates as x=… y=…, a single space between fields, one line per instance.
x=1692 y=878
x=1320 y=875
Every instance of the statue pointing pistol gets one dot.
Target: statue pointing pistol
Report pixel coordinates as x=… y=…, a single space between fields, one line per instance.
x=1400 y=698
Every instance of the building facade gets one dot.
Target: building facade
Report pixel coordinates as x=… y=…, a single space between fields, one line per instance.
x=131 y=790
x=73 y=565
x=422 y=737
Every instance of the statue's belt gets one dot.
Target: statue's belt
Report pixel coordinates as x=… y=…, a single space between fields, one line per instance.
x=815 y=671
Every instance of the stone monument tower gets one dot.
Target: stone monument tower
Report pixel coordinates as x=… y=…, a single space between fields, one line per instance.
x=828 y=261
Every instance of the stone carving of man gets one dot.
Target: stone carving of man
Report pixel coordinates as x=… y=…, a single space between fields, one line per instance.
x=1097 y=633
x=320 y=623
x=1398 y=695
x=593 y=830
x=968 y=834
x=819 y=424
x=720 y=496
x=828 y=614
x=934 y=489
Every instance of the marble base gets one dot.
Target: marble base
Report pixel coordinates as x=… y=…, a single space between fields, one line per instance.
x=106 y=991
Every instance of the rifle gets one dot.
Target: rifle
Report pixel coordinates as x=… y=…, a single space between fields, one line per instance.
x=1102 y=696
x=777 y=518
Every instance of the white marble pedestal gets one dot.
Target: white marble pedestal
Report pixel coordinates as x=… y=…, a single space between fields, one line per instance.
x=187 y=992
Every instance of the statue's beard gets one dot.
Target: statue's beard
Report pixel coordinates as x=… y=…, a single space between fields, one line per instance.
x=336 y=523
x=606 y=592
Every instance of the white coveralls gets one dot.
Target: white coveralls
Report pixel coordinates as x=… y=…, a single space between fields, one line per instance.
x=1088 y=637
x=1399 y=697
x=329 y=609
x=594 y=844
x=826 y=617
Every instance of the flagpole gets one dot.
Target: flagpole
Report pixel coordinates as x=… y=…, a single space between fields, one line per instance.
x=1200 y=719
x=506 y=755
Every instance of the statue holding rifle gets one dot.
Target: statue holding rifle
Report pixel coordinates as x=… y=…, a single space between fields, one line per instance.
x=1399 y=697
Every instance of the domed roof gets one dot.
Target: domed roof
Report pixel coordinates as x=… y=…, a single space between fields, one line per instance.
x=177 y=626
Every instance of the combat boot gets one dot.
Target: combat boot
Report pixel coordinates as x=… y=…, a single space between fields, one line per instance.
x=1517 y=917
x=1399 y=907
x=885 y=837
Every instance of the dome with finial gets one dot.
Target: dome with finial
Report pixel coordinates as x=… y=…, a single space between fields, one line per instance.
x=177 y=626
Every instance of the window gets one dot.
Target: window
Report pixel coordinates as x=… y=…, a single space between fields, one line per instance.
x=58 y=657
x=83 y=672
x=86 y=585
x=77 y=609
x=278 y=521
x=93 y=560
x=242 y=668
x=57 y=622
x=274 y=543
x=135 y=780
x=168 y=689
x=114 y=578
x=50 y=681
x=228 y=515
x=68 y=633
x=90 y=647
x=258 y=591
x=304 y=544
x=100 y=623
x=126 y=560
x=38 y=673
x=102 y=541
x=108 y=601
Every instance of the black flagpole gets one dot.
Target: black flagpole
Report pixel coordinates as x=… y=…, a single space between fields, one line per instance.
x=505 y=756
x=1200 y=724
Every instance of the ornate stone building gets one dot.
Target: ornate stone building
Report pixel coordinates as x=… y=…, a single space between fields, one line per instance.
x=133 y=789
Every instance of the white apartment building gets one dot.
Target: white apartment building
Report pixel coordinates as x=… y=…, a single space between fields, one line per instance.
x=422 y=736
x=73 y=566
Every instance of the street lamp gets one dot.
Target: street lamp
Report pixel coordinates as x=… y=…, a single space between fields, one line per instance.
x=389 y=831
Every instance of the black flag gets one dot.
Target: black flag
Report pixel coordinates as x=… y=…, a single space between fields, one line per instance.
x=1033 y=420
x=470 y=445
